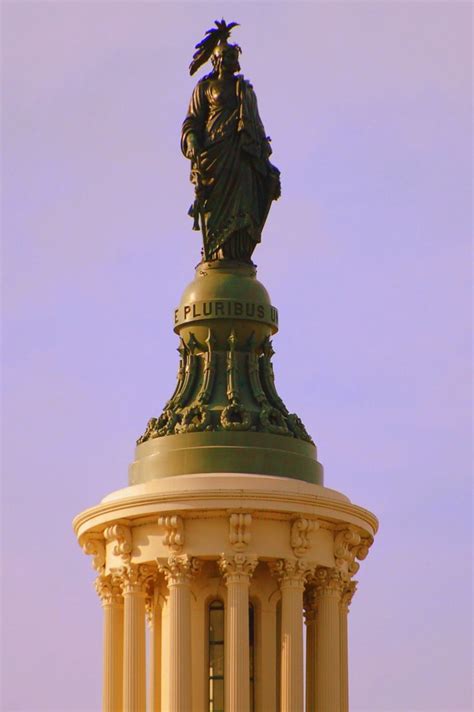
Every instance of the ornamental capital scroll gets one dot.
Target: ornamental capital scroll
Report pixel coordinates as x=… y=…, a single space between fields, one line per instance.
x=121 y=536
x=349 y=545
x=238 y=568
x=348 y=594
x=291 y=573
x=329 y=582
x=109 y=589
x=136 y=578
x=179 y=570
x=94 y=545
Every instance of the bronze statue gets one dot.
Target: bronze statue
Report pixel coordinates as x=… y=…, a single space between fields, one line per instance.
x=223 y=135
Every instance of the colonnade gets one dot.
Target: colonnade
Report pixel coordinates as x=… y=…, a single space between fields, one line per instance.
x=130 y=594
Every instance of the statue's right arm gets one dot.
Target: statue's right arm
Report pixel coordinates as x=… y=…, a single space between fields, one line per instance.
x=194 y=123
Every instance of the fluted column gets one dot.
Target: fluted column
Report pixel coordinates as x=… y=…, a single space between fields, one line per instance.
x=178 y=571
x=310 y=620
x=346 y=599
x=135 y=579
x=292 y=574
x=153 y=615
x=108 y=588
x=329 y=586
x=237 y=571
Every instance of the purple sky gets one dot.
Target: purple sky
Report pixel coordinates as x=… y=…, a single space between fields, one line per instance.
x=366 y=256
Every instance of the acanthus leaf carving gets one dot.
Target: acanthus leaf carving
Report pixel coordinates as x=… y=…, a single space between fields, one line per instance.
x=239 y=530
x=179 y=569
x=348 y=594
x=174 y=531
x=108 y=587
x=329 y=581
x=301 y=529
x=136 y=578
x=237 y=567
x=291 y=572
x=122 y=537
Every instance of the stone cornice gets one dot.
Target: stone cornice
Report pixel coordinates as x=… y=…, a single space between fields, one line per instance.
x=325 y=508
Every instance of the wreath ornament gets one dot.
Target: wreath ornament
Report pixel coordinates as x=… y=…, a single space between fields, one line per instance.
x=194 y=419
x=273 y=421
x=235 y=417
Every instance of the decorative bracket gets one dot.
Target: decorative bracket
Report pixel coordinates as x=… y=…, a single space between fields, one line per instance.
x=239 y=531
x=299 y=538
x=348 y=546
x=174 y=531
x=122 y=536
x=93 y=545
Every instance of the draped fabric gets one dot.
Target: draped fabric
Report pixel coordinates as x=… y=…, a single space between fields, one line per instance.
x=235 y=182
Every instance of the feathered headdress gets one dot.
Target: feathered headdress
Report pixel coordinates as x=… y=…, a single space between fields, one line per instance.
x=206 y=47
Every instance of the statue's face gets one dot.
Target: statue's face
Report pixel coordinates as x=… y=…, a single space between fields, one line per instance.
x=227 y=58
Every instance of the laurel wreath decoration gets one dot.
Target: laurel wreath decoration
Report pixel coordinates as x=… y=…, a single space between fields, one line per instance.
x=235 y=417
x=194 y=419
x=296 y=426
x=273 y=421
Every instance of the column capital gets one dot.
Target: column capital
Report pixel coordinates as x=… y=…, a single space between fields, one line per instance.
x=109 y=589
x=329 y=582
x=179 y=569
x=136 y=578
x=291 y=573
x=238 y=567
x=348 y=594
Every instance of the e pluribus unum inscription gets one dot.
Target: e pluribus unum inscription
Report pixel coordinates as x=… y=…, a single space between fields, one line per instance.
x=225 y=308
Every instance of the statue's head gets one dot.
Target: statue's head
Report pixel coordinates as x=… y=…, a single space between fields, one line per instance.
x=215 y=47
x=226 y=56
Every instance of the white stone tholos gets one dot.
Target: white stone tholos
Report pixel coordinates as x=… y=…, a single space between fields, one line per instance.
x=108 y=588
x=237 y=570
x=157 y=548
x=178 y=571
x=292 y=574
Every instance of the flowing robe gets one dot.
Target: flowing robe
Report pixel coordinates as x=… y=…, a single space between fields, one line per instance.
x=235 y=181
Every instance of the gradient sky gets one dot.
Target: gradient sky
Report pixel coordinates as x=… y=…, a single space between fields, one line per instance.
x=366 y=256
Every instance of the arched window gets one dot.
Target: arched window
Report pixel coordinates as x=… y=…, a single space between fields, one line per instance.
x=216 y=656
